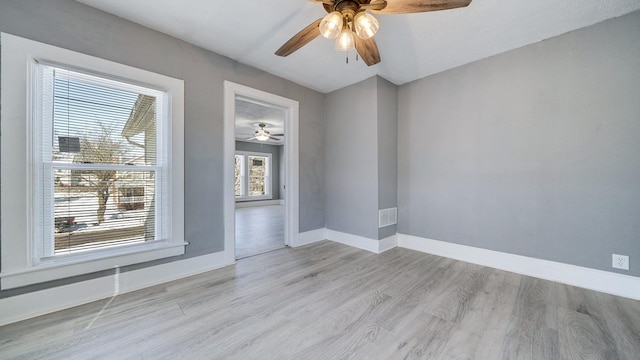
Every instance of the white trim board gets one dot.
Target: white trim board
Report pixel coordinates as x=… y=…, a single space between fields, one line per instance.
x=598 y=280
x=244 y=204
x=360 y=242
x=22 y=307
x=310 y=237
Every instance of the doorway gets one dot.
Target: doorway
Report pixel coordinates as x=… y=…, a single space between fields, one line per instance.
x=259 y=177
x=251 y=113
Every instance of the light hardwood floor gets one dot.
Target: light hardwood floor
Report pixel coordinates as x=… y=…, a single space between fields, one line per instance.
x=330 y=301
x=259 y=229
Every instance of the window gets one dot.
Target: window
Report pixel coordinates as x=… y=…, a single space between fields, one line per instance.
x=101 y=163
x=102 y=168
x=252 y=176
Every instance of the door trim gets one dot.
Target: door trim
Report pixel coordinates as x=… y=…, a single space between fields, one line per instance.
x=291 y=155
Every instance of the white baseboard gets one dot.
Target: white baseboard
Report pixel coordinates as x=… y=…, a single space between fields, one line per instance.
x=598 y=280
x=21 y=307
x=244 y=204
x=360 y=242
x=388 y=243
x=309 y=237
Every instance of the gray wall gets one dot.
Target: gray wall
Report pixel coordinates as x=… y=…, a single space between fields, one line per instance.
x=387 y=150
x=276 y=172
x=533 y=152
x=77 y=27
x=351 y=155
x=361 y=157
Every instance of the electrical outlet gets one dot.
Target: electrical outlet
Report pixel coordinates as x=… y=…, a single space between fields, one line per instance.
x=620 y=262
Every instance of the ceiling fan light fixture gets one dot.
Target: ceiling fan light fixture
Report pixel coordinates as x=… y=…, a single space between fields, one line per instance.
x=331 y=25
x=366 y=25
x=262 y=137
x=345 y=41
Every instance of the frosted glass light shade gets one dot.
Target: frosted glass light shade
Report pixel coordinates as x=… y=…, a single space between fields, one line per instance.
x=345 y=41
x=365 y=25
x=262 y=137
x=331 y=25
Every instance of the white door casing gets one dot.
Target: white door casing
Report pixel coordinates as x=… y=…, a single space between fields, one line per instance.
x=291 y=144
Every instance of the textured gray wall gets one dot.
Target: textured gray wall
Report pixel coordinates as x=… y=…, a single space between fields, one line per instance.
x=361 y=157
x=77 y=27
x=274 y=150
x=387 y=150
x=533 y=152
x=351 y=155
x=312 y=153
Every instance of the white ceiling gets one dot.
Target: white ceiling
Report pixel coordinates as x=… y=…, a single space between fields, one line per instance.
x=412 y=46
x=249 y=114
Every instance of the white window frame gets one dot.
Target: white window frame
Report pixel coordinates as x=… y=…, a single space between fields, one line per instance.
x=244 y=171
x=21 y=259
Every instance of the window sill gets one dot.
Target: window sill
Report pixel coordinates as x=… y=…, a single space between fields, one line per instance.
x=253 y=198
x=67 y=266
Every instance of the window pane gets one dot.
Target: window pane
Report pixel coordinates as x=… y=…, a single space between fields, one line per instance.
x=101 y=121
x=257 y=166
x=238 y=180
x=102 y=208
x=256 y=186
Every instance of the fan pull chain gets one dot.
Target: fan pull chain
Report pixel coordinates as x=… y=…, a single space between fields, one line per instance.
x=347 y=56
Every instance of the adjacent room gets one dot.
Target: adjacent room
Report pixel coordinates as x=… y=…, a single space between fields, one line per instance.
x=323 y=179
x=259 y=178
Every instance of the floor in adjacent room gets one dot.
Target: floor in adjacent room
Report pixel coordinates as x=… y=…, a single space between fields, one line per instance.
x=259 y=229
x=331 y=301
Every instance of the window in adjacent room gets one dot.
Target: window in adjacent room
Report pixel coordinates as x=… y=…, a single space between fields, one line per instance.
x=252 y=176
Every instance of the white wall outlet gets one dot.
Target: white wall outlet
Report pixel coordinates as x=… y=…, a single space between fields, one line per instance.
x=620 y=262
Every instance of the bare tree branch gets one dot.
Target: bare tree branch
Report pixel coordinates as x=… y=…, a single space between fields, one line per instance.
x=103 y=150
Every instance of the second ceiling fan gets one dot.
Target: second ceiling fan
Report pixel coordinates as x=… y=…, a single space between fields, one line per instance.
x=264 y=135
x=349 y=22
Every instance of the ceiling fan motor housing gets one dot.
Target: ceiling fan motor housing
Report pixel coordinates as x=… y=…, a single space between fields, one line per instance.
x=348 y=8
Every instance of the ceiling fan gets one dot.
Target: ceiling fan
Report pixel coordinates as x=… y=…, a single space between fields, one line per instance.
x=264 y=135
x=348 y=16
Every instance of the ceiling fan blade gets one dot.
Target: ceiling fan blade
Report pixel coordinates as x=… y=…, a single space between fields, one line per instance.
x=274 y=138
x=277 y=134
x=327 y=4
x=300 y=39
x=416 y=6
x=368 y=50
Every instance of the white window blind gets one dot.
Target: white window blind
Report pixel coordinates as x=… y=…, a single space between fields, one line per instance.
x=102 y=170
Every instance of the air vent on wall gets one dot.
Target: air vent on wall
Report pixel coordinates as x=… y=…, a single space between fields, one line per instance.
x=387 y=217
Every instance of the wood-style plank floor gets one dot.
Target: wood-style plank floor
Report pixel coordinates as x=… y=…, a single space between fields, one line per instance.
x=259 y=229
x=330 y=301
